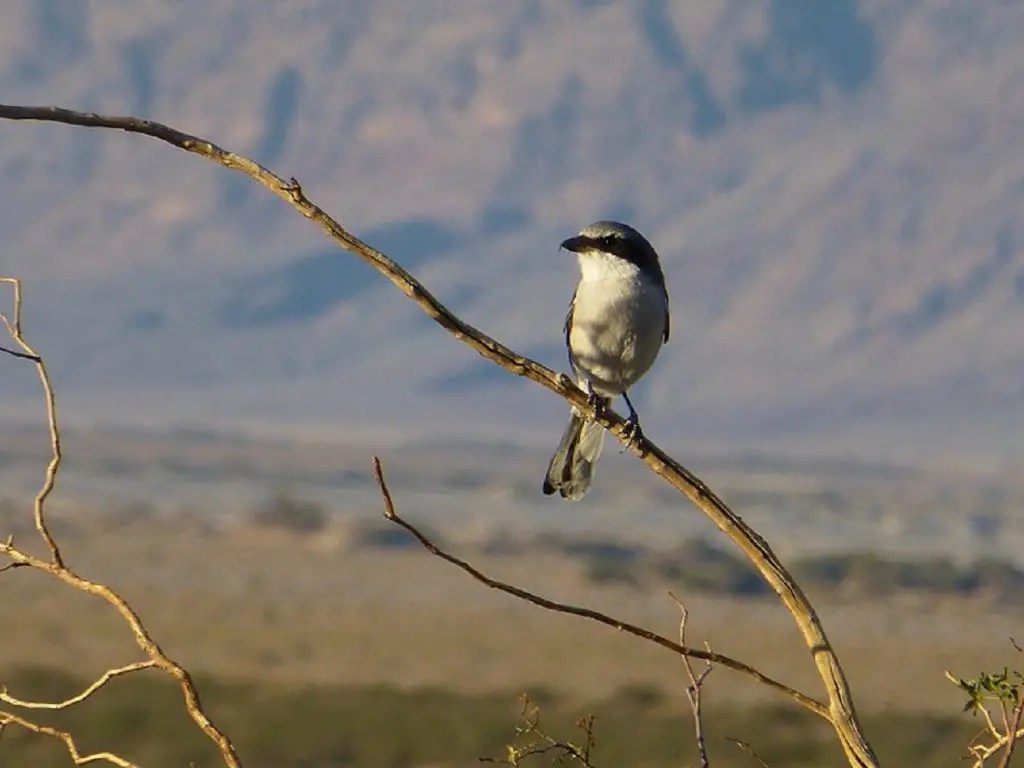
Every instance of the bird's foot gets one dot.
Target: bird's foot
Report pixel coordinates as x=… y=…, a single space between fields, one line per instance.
x=598 y=403
x=632 y=432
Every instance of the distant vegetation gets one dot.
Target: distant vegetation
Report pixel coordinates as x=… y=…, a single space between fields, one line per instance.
x=695 y=565
x=275 y=726
x=698 y=565
x=289 y=513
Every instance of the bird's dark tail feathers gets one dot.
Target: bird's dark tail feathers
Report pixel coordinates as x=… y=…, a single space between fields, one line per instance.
x=572 y=466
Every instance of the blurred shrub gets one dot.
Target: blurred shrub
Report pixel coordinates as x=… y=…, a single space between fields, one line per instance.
x=867 y=573
x=698 y=565
x=383 y=535
x=291 y=514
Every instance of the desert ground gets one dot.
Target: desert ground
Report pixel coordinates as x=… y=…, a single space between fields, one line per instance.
x=354 y=601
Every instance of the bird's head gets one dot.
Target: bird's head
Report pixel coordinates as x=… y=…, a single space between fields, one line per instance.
x=612 y=240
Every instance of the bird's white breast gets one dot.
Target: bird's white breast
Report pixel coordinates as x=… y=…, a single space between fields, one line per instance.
x=618 y=323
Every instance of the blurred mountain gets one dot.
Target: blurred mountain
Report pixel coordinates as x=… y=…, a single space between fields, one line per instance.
x=836 y=190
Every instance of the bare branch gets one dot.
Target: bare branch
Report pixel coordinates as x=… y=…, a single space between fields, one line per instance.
x=55 y=566
x=155 y=653
x=645 y=634
x=693 y=689
x=50 y=478
x=1014 y=732
x=99 y=683
x=8 y=718
x=842 y=713
x=749 y=750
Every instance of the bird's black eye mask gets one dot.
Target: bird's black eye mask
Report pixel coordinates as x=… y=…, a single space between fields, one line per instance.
x=623 y=248
x=607 y=243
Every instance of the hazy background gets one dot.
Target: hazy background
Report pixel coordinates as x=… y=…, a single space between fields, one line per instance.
x=835 y=189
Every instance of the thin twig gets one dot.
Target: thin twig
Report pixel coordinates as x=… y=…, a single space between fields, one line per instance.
x=389 y=512
x=1013 y=733
x=9 y=718
x=53 y=466
x=696 y=682
x=540 y=743
x=16 y=353
x=842 y=713
x=99 y=683
x=748 y=749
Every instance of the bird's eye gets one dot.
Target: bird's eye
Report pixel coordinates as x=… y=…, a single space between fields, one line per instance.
x=608 y=241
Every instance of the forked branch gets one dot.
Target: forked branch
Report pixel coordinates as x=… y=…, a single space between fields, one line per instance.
x=55 y=566
x=696 y=683
x=842 y=713
x=8 y=718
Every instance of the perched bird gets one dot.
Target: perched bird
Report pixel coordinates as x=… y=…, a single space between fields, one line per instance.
x=617 y=322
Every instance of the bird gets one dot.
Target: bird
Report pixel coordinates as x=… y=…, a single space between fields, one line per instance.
x=617 y=322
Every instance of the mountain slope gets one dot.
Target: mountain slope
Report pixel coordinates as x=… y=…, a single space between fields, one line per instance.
x=835 y=188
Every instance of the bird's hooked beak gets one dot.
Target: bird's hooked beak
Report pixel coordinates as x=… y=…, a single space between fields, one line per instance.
x=576 y=244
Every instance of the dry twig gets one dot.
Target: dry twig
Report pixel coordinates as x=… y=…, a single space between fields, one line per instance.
x=8 y=718
x=749 y=750
x=623 y=626
x=696 y=682
x=55 y=566
x=842 y=713
x=95 y=686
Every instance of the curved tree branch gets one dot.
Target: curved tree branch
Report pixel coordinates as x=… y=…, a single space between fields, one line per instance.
x=842 y=712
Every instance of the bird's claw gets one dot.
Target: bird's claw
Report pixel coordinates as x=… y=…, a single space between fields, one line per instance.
x=632 y=432
x=596 y=402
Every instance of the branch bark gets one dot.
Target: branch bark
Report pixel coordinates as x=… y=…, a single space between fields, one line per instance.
x=842 y=712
